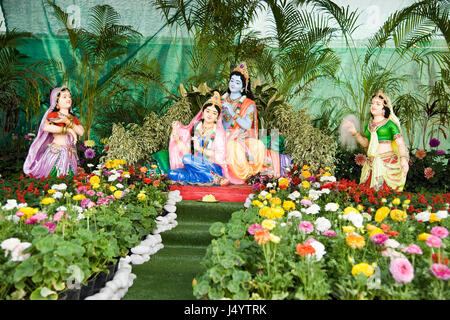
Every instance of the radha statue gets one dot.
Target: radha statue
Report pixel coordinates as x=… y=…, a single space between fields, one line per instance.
x=197 y=151
x=387 y=161
x=53 y=151
x=246 y=154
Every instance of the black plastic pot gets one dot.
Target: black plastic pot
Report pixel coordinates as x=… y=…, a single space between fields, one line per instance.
x=70 y=294
x=100 y=281
x=112 y=270
x=88 y=290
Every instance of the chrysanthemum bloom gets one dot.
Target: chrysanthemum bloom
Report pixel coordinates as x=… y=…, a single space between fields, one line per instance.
x=47 y=201
x=381 y=213
x=275 y=201
x=265 y=212
x=398 y=215
x=306 y=174
x=429 y=173
x=355 y=241
x=253 y=228
x=306 y=227
x=348 y=229
x=89 y=153
x=440 y=271
x=262 y=236
x=305 y=184
x=379 y=238
x=50 y=226
x=401 y=270
x=305 y=249
x=365 y=268
x=322 y=224
x=360 y=159
x=434 y=142
x=118 y=194
x=283 y=183
x=89 y=143
x=413 y=249
x=420 y=154
x=79 y=197
x=276 y=212
x=440 y=232
x=433 y=241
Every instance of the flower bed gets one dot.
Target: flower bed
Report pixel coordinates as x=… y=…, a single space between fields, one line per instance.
x=308 y=236
x=59 y=231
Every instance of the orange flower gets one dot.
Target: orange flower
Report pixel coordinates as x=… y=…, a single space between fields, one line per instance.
x=147 y=180
x=392 y=233
x=283 y=183
x=275 y=201
x=304 y=249
x=262 y=236
x=355 y=241
x=156 y=183
x=385 y=227
x=420 y=154
x=143 y=169
x=306 y=174
x=131 y=186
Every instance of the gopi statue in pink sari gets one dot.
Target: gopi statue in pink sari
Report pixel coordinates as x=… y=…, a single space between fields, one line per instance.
x=197 y=151
x=53 y=151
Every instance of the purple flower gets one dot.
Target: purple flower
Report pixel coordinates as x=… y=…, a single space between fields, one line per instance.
x=311 y=178
x=89 y=153
x=440 y=152
x=434 y=142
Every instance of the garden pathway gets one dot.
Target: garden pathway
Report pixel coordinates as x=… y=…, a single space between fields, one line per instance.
x=169 y=273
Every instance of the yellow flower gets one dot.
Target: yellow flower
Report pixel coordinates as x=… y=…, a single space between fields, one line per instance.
x=112 y=188
x=104 y=140
x=268 y=224
x=78 y=197
x=381 y=214
x=257 y=203
x=288 y=205
x=141 y=196
x=407 y=201
x=327 y=174
x=396 y=201
x=423 y=236
x=350 y=209
x=274 y=238
x=283 y=183
x=89 y=143
x=305 y=184
x=383 y=200
x=370 y=227
x=348 y=229
x=261 y=197
x=360 y=207
x=434 y=218
x=375 y=231
x=268 y=196
x=28 y=212
x=398 y=215
x=118 y=194
x=365 y=268
x=51 y=191
x=125 y=173
x=276 y=212
x=48 y=201
x=273 y=191
x=355 y=241
x=275 y=201
x=306 y=174
x=94 y=180
x=95 y=186
x=327 y=168
x=265 y=212
x=305 y=167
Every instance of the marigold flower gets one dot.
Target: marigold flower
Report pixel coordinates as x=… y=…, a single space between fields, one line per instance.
x=262 y=236
x=355 y=241
x=381 y=213
x=434 y=218
x=396 y=201
x=47 y=201
x=78 y=197
x=288 y=205
x=94 y=180
x=398 y=215
x=305 y=249
x=141 y=196
x=118 y=194
x=277 y=212
x=283 y=183
x=348 y=229
x=156 y=183
x=305 y=167
x=51 y=191
x=365 y=268
x=143 y=169
x=275 y=201
x=306 y=174
x=423 y=236
x=306 y=185
x=265 y=212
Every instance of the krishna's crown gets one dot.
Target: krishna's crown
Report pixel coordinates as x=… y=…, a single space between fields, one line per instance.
x=242 y=68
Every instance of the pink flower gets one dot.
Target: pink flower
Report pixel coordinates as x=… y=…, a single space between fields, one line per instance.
x=379 y=238
x=90 y=192
x=100 y=194
x=360 y=159
x=413 y=249
x=20 y=214
x=310 y=240
x=306 y=202
x=29 y=221
x=401 y=270
x=40 y=216
x=329 y=233
x=253 y=228
x=306 y=227
x=81 y=189
x=87 y=203
x=50 y=226
x=433 y=241
x=440 y=232
x=440 y=271
x=102 y=201
x=429 y=173
x=58 y=215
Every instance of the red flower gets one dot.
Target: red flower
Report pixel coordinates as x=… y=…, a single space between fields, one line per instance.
x=435 y=259
x=147 y=180
x=156 y=183
x=422 y=199
x=392 y=233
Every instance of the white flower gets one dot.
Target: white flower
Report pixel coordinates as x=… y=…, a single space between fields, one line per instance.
x=319 y=248
x=14 y=218
x=269 y=185
x=327 y=178
x=16 y=253
x=294 y=213
x=57 y=195
x=355 y=218
x=80 y=216
x=90 y=165
x=61 y=208
x=423 y=216
x=10 y=204
x=77 y=208
x=322 y=224
x=113 y=177
x=119 y=186
x=59 y=187
x=22 y=205
x=442 y=214
x=283 y=224
x=314 y=209
x=10 y=244
x=391 y=243
x=391 y=253
x=316 y=185
x=367 y=216
x=331 y=207
x=314 y=194
x=294 y=195
x=326 y=191
x=263 y=193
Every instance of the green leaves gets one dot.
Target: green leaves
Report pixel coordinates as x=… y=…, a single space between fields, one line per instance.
x=217 y=229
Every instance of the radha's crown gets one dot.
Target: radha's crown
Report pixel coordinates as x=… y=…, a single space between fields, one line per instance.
x=215 y=100
x=242 y=68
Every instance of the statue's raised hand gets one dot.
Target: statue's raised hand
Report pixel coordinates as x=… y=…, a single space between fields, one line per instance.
x=349 y=127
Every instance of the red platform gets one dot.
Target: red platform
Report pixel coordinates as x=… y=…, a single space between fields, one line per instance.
x=230 y=193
